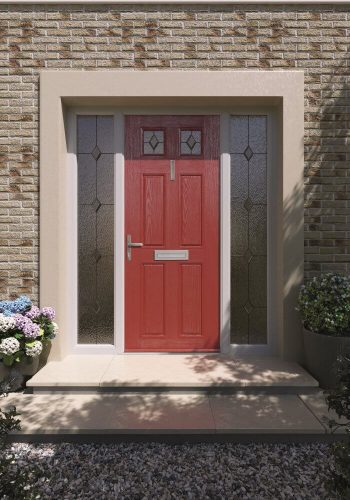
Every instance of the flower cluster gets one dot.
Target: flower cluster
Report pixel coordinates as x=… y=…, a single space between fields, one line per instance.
x=33 y=313
x=24 y=329
x=49 y=313
x=34 y=349
x=29 y=329
x=9 y=346
x=6 y=323
x=324 y=304
x=20 y=306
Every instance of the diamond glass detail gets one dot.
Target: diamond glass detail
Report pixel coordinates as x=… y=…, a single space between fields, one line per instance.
x=191 y=142
x=96 y=204
x=248 y=153
x=96 y=153
x=248 y=204
x=153 y=142
x=248 y=307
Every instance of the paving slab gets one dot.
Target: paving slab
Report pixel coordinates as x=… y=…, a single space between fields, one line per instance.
x=262 y=413
x=112 y=413
x=81 y=371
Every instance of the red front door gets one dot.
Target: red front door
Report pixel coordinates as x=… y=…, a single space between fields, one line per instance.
x=172 y=208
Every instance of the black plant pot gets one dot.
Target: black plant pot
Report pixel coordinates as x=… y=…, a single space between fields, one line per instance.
x=321 y=352
x=24 y=370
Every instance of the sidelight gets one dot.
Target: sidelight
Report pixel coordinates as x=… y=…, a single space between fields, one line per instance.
x=248 y=148
x=95 y=160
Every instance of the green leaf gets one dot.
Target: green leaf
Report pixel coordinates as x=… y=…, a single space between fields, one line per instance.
x=29 y=344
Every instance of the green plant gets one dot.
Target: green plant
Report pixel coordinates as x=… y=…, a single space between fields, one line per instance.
x=8 y=419
x=339 y=401
x=324 y=304
x=15 y=481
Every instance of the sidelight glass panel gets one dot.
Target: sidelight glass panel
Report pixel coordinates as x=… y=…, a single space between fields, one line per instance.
x=95 y=229
x=248 y=148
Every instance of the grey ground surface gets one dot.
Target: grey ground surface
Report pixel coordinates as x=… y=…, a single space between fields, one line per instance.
x=162 y=471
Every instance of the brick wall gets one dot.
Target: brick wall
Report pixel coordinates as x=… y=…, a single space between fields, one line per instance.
x=217 y=37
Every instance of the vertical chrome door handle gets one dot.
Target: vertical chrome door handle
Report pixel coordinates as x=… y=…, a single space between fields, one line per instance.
x=172 y=170
x=130 y=245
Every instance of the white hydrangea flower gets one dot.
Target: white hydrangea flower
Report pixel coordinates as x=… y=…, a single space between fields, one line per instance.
x=55 y=327
x=7 y=323
x=9 y=346
x=34 y=349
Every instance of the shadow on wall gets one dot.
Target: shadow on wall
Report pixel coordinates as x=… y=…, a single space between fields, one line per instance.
x=327 y=169
x=326 y=188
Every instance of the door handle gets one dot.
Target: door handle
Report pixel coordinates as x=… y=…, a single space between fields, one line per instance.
x=172 y=170
x=130 y=245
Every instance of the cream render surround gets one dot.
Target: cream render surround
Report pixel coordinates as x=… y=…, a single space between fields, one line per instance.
x=280 y=91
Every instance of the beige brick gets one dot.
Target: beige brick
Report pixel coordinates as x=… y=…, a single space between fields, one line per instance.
x=314 y=40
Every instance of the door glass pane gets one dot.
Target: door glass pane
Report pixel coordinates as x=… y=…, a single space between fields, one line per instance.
x=95 y=229
x=153 y=142
x=191 y=142
x=248 y=148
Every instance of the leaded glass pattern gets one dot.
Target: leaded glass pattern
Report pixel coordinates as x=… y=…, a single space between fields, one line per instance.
x=95 y=229
x=153 y=142
x=248 y=149
x=190 y=142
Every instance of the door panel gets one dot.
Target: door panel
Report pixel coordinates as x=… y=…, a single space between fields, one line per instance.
x=153 y=209
x=191 y=209
x=153 y=299
x=191 y=294
x=172 y=305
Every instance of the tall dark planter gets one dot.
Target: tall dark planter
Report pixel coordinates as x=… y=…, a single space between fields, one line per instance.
x=321 y=352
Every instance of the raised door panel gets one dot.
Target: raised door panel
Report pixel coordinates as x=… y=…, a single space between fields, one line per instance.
x=191 y=210
x=152 y=293
x=191 y=299
x=153 y=209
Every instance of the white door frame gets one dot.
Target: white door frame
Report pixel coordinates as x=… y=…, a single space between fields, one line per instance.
x=225 y=221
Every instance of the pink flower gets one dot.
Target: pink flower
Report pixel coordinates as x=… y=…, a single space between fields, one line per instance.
x=49 y=312
x=33 y=313
x=28 y=328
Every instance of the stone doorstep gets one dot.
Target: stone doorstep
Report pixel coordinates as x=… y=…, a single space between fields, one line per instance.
x=155 y=371
x=284 y=417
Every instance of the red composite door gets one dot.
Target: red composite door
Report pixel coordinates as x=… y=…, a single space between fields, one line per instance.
x=172 y=208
